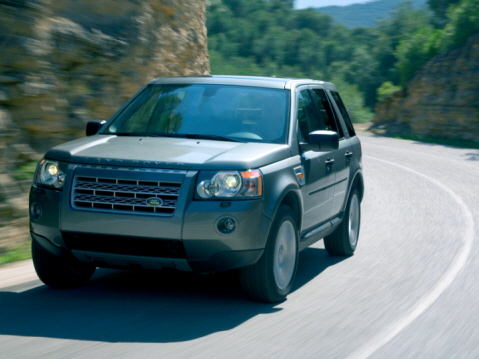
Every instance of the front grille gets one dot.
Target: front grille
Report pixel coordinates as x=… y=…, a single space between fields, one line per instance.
x=134 y=246
x=156 y=197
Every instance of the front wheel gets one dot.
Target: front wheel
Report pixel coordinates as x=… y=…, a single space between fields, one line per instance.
x=271 y=278
x=344 y=240
x=60 y=272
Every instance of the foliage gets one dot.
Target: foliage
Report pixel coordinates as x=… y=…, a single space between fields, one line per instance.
x=26 y=171
x=414 y=51
x=386 y=90
x=463 y=22
x=440 y=7
x=16 y=254
x=354 y=99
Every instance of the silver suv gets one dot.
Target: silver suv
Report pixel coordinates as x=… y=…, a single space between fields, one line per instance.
x=203 y=174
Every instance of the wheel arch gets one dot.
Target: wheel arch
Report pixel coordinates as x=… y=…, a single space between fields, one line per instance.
x=358 y=183
x=293 y=201
x=288 y=195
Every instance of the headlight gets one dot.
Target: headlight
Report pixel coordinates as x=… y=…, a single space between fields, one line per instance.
x=50 y=173
x=229 y=184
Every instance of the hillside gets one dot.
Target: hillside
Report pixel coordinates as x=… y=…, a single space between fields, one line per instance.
x=364 y=15
x=440 y=101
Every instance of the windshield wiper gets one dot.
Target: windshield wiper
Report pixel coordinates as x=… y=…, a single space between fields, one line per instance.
x=198 y=136
x=179 y=135
x=141 y=134
x=133 y=134
x=212 y=137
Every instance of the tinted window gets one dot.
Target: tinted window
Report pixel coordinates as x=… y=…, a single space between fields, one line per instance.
x=308 y=120
x=327 y=113
x=344 y=113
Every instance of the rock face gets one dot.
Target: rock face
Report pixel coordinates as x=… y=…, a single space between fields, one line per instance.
x=441 y=101
x=65 y=62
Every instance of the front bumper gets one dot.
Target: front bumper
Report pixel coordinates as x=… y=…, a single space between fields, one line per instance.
x=187 y=240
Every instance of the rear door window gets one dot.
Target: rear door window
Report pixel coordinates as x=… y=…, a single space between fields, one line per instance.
x=326 y=111
x=344 y=113
x=308 y=120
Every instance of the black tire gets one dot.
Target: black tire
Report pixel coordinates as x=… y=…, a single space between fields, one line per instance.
x=271 y=278
x=344 y=240
x=60 y=272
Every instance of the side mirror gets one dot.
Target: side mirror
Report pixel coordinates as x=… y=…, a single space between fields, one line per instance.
x=322 y=141
x=92 y=127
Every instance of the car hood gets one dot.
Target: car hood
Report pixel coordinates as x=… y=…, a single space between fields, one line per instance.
x=165 y=152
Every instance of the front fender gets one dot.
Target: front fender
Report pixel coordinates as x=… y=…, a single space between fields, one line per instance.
x=279 y=182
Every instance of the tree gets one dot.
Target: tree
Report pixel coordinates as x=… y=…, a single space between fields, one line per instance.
x=404 y=21
x=463 y=22
x=440 y=7
x=414 y=52
x=353 y=100
x=310 y=19
x=363 y=71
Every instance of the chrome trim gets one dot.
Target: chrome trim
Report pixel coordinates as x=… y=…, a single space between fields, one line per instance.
x=126 y=195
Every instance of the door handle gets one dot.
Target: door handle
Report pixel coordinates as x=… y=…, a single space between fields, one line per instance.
x=329 y=162
x=348 y=154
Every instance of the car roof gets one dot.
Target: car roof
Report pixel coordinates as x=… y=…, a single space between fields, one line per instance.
x=255 y=81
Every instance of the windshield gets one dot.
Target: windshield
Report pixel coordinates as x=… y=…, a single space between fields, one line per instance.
x=236 y=113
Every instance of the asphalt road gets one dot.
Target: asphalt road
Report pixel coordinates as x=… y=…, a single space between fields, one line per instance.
x=410 y=291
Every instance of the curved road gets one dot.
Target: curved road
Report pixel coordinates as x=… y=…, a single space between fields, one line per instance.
x=410 y=291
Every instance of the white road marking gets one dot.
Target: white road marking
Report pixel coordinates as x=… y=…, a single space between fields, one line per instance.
x=446 y=280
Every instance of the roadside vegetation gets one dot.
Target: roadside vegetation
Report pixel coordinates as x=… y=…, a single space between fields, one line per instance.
x=16 y=254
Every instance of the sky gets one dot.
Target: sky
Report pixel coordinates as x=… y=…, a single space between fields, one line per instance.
x=301 y=4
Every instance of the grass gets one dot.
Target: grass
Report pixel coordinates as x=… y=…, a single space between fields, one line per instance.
x=26 y=171
x=16 y=254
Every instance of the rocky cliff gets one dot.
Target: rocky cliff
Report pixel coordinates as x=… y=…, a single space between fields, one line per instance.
x=65 y=62
x=441 y=101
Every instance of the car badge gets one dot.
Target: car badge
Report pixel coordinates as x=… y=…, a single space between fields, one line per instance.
x=154 y=201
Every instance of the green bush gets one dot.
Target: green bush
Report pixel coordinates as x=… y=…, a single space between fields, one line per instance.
x=386 y=90
x=26 y=171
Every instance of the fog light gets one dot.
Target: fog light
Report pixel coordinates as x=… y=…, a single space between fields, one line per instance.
x=226 y=225
x=35 y=210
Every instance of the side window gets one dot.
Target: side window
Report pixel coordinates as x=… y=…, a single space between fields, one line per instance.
x=327 y=112
x=307 y=118
x=344 y=113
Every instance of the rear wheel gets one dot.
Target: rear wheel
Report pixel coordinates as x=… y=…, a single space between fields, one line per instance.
x=344 y=240
x=60 y=272
x=271 y=278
